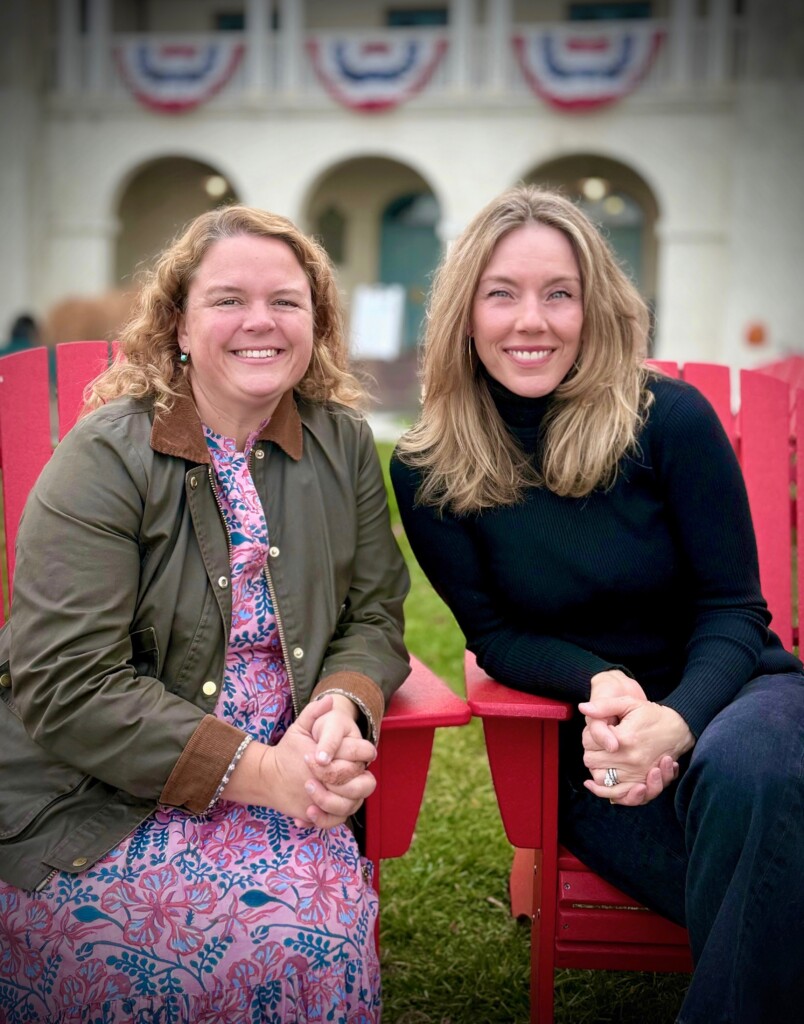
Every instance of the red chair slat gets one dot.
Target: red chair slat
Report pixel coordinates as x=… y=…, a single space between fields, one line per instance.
x=631 y=924
x=790 y=369
x=714 y=382
x=797 y=439
x=765 y=458
x=666 y=366
x=619 y=956
x=25 y=435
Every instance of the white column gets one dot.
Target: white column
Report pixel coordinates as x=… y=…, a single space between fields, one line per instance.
x=682 y=24
x=68 y=55
x=461 y=26
x=21 y=145
x=718 y=29
x=291 y=25
x=99 y=42
x=499 y=28
x=256 y=47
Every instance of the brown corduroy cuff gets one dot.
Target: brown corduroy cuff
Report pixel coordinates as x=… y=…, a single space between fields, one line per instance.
x=198 y=772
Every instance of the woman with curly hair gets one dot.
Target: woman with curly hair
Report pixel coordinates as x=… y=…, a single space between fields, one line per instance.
x=207 y=622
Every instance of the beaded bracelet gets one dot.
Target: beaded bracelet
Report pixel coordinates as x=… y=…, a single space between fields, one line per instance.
x=361 y=705
x=228 y=773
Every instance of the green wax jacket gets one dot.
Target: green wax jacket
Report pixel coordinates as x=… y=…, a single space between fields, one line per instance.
x=113 y=657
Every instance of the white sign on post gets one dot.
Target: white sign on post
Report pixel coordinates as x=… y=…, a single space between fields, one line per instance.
x=377 y=320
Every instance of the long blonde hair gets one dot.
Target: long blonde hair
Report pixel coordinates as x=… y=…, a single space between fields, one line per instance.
x=149 y=351
x=469 y=459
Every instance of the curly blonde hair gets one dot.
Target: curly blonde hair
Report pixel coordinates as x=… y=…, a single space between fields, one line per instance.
x=148 y=361
x=469 y=459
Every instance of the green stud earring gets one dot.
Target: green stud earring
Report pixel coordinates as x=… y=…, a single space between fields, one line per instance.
x=184 y=358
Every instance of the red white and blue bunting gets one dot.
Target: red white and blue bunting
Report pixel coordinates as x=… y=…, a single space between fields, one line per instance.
x=373 y=75
x=175 y=77
x=577 y=69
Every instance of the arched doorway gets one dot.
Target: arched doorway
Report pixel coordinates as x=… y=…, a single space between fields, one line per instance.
x=159 y=199
x=618 y=199
x=377 y=218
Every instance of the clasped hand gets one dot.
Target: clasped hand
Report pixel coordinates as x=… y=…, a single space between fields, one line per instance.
x=340 y=779
x=625 y=731
x=318 y=771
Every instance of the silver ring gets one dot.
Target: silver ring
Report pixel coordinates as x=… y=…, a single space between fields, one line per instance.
x=611 y=778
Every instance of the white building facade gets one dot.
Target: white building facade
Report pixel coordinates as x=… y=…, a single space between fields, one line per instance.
x=700 y=159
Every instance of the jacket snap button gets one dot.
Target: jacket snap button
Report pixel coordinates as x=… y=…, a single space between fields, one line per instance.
x=193 y=482
x=272 y=551
x=223 y=582
x=79 y=862
x=259 y=454
x=298 y=653
x=5 y=680
x=209 y=689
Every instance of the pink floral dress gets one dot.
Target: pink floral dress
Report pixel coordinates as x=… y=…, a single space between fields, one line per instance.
x=233 y=917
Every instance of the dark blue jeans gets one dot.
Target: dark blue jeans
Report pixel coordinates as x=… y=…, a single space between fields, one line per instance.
x=720 y=851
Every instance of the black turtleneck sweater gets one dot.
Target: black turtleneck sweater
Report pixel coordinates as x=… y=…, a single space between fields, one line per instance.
x=657 y=575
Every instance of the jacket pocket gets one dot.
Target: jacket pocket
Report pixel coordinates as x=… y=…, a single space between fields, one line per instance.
x=29 y=778
x=145 y=652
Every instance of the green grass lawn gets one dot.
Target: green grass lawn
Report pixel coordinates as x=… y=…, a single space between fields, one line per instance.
x=451 y=953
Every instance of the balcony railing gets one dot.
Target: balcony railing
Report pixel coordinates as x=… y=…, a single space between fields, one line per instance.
x=290 y=79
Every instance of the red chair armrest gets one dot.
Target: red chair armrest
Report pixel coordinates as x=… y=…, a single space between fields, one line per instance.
x=424 y=700
x=489 y=699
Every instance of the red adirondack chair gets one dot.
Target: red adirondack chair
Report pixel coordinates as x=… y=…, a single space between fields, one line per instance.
x=577 y=919
x=423 y=703
x=790 y=369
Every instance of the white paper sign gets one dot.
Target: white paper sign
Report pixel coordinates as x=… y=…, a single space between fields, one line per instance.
x=377 y=319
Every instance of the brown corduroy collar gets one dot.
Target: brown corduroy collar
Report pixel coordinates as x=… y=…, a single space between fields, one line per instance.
x=179 y=432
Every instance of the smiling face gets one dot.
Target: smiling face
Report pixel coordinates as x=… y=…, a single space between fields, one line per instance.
x=248 y=329
x=527 y=312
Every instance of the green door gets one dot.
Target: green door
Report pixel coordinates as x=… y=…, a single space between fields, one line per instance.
x=409 y=253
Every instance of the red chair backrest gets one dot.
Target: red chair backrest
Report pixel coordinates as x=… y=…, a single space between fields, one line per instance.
x=767 y=439
x=27 y=435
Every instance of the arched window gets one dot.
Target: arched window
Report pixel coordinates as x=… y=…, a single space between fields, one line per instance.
x=618 y=199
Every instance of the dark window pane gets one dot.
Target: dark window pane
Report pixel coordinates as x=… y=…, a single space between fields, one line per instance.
x=413 y=17
x=609 y=11
x=229 y=21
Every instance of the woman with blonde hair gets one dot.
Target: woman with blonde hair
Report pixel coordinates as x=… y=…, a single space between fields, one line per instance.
x=585 y=519
x=207 y=622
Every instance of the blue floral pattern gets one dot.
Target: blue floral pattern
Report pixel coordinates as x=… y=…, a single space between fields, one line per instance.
x=236 y=916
